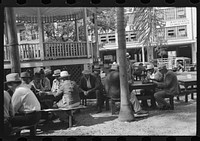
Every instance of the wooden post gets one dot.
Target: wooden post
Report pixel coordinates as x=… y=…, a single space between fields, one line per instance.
x=96 y=35
x=126 y=113
x=76 y=30
x=41 y=33
x=86 y=31
x=143 y=54
x=12 y=40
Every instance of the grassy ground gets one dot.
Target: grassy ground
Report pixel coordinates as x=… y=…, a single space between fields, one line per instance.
x=181 y=121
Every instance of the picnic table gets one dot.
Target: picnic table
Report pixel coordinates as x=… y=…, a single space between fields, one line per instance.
x=189 y=85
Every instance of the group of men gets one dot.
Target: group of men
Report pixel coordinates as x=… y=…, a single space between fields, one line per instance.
x=25 y=97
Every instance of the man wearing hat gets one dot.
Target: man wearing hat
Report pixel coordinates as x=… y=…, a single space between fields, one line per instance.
x=112 y=87
x=90 y=88
x=56 y=82
x=169 y=86
x=67 y=96
x=24 y=102
x=129 y=68
x=45 y=81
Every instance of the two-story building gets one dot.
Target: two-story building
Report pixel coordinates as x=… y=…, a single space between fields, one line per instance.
x=180 y=32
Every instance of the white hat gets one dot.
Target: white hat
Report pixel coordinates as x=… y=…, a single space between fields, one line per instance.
x=56 y=72
x=114 y=67
x=64 y=74
x=128 y=55
x=149 y=67
x=86 y=72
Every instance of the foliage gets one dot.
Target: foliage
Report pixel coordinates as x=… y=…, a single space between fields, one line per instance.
x=149 y=24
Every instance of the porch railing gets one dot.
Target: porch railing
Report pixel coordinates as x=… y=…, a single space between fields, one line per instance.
x=51 y=51
x=65 y=50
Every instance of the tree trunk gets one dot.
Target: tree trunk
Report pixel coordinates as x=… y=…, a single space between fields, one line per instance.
x=126 y=113
x=12 y=40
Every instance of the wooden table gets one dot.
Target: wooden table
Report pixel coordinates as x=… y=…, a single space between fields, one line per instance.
x=188 y=84
x=147 y=86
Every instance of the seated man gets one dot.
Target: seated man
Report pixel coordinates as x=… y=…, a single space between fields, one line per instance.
x=89 y=87
x=56 y=82
x=24 y=102
x=169 y=86
x=8 y=113
x=67 y=96
x=112 y=87
x=45 y=81
x=151 y=75
x=140 y=70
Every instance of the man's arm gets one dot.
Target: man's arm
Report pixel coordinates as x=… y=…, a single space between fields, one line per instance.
x=16 y=101
x=59 y=94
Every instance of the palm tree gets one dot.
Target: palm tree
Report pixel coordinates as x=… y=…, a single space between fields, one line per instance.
x=125 y=114
x=12 y=39
x=149 y=24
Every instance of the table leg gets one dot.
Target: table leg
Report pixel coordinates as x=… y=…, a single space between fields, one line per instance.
x=186 y=97
x=71 y=118
x=192 y=94
x=112 y=107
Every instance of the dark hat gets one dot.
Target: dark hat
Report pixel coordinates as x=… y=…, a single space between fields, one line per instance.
x=12 y=77
x=25 y=75
x=56 y=72
x=86 y=72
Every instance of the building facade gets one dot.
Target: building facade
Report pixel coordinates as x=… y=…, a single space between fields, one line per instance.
x=180 y=32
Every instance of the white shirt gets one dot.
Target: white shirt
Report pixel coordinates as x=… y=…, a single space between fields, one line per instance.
x=24 y=99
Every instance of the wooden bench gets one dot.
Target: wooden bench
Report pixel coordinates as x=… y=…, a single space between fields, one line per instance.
x=139 y=97
x=84 y=102
x=18 y=130
x=71 y=112
x=186 y=93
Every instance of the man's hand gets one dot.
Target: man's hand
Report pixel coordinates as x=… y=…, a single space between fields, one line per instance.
x=155 y=82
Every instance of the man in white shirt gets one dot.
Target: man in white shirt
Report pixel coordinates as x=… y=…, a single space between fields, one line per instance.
x=56 y=82
x=24 y=102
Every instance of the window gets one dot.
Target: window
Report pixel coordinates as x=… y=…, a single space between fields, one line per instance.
x=180 y=12
x=170 y=14
x=160 y=33
x=22 y=35
x=171 y=32
x=181 y=31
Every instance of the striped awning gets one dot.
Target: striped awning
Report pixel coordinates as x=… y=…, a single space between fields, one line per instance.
x=50 y=14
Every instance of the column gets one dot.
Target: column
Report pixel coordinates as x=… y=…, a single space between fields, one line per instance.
x=12 y=40
x=41 y=33
x=96 y=35
x=86 y=32
x=76 y=30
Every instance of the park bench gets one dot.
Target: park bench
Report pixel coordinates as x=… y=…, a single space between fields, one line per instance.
x=69 y=110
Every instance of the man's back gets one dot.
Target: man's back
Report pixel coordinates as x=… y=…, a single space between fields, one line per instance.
x=24 y=99
x=112 y=84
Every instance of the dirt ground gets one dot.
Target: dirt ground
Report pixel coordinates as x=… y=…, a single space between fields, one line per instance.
x=181 y=121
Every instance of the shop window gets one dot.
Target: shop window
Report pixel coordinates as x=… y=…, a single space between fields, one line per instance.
x=171 y=32
x=181 y=31
x=170 y=14
x=180 y=12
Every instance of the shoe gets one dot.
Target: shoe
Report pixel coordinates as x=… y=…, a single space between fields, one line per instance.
x=141 y=113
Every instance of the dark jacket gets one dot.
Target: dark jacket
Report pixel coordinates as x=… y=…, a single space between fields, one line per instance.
x=93 y=81
x=112 y=84
x=170 y=84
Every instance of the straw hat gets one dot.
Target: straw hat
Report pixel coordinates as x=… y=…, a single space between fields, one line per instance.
x=56 y=72
x=25 y=75
x=64 y=74
x=47 y=71
x=149 y=67
x=12 y=77
x=128 y=55
x=86 y=72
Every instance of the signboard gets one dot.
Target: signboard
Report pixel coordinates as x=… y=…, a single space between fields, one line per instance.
x=177 y=23
x=108 y=57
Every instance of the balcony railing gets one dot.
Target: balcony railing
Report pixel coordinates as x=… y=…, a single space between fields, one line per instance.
x=51 y=51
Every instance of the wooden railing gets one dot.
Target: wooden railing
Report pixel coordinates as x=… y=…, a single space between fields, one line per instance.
x=65 y=50
x=51 y=51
